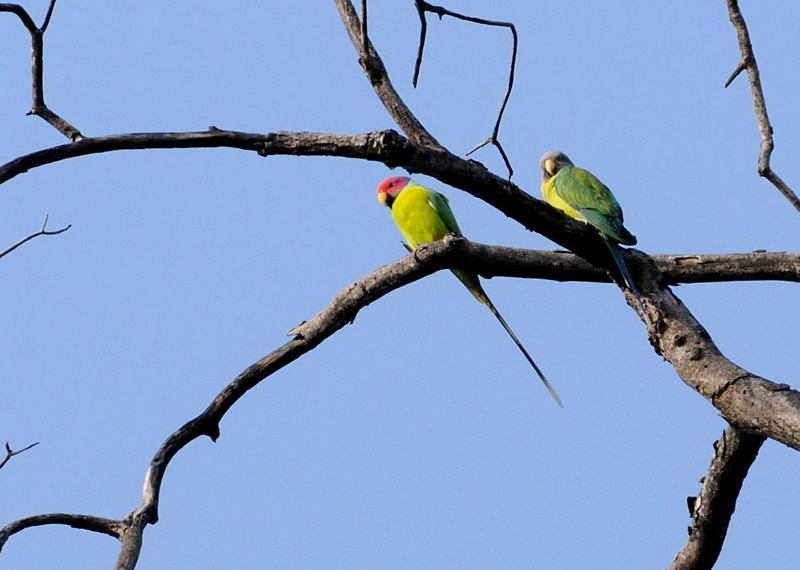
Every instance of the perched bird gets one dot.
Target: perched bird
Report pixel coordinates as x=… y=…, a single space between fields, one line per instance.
x=580 y=195
x=424 y=216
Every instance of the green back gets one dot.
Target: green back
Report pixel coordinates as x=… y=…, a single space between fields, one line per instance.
x=594 y=201
x=440 y=203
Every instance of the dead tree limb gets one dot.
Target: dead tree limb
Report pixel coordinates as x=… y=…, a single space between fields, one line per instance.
x=42 y=232
x=748 y=62
x=422 y=8
x=39 y=107
x=83 y=522
x=747 y=401
x=712 y=509
x=375 y=71
x=693 y=354
x=11 y=452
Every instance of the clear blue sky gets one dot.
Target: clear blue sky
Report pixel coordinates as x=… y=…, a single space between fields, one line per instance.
x=417 y=438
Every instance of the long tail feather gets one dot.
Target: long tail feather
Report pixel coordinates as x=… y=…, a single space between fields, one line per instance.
x=471 y=282
x=616 y=253
x=522 y=349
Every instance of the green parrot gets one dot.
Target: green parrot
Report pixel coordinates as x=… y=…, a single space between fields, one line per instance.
x=424 y=216
x=580 y=195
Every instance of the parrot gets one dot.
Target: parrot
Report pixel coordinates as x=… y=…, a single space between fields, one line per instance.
x=424 y=216
x=580 y=195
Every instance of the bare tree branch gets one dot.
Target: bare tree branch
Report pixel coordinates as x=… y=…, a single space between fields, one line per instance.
x=748 y=62
x=383 y=146
x=682 y=340
x=83 y=522
x=493 y=261
x=392 y=149
x=712 y=509
x=306 y=336
x=364 y=33
x=42 y=232
x=423 y=34
x=11 y=453
x=747 y=401
x=759 y=265
x=423 y=7
x=39 y=107
x=22 y=14
x=49 y=15
x=379 y=79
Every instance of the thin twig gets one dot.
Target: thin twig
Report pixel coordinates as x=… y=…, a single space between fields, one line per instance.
x=11 y=453
x=364 y=34
x=712 y=509
x=48 y=16
x=42 y=232
x=765 y=129
x=39 y=107
x=423 y=33
x=423 y=7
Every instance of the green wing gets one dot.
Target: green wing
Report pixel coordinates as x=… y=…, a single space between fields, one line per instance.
x=442 y=207
x=594 y=201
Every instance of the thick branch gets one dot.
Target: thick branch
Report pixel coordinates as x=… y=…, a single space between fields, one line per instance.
x=387 y=147
x=493 y=260
x=712 y=509
x=392 y=149
x=22 y=14
x=748 y=62
x=82 y=522
x=684 y=352
x=451 y=252
x=715 y=268
x=39 y=107
x=373 y=67
x=306 y=336
x=382 y=146
x=746 y=400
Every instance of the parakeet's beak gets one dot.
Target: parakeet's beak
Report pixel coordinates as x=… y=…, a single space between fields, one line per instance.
x=383 y=197
x=550 y=166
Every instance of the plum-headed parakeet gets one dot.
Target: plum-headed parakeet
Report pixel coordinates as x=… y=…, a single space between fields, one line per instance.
x=424 y=216
x=580 y=195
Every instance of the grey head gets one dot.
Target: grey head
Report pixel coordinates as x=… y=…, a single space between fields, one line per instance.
x=552 y=161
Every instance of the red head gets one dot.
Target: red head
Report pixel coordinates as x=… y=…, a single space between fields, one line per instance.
x=390 y=188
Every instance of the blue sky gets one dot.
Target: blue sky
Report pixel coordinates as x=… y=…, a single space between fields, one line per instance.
x=418 y=437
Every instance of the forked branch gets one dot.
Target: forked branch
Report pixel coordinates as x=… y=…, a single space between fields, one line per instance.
x=682 y=341
x=748 y=62
x=373 y=67
x=11 y=452
x=423 y=8
x=42 y=232
x=39 y=107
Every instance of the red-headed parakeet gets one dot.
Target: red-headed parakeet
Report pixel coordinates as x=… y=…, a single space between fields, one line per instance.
x=424 y=216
